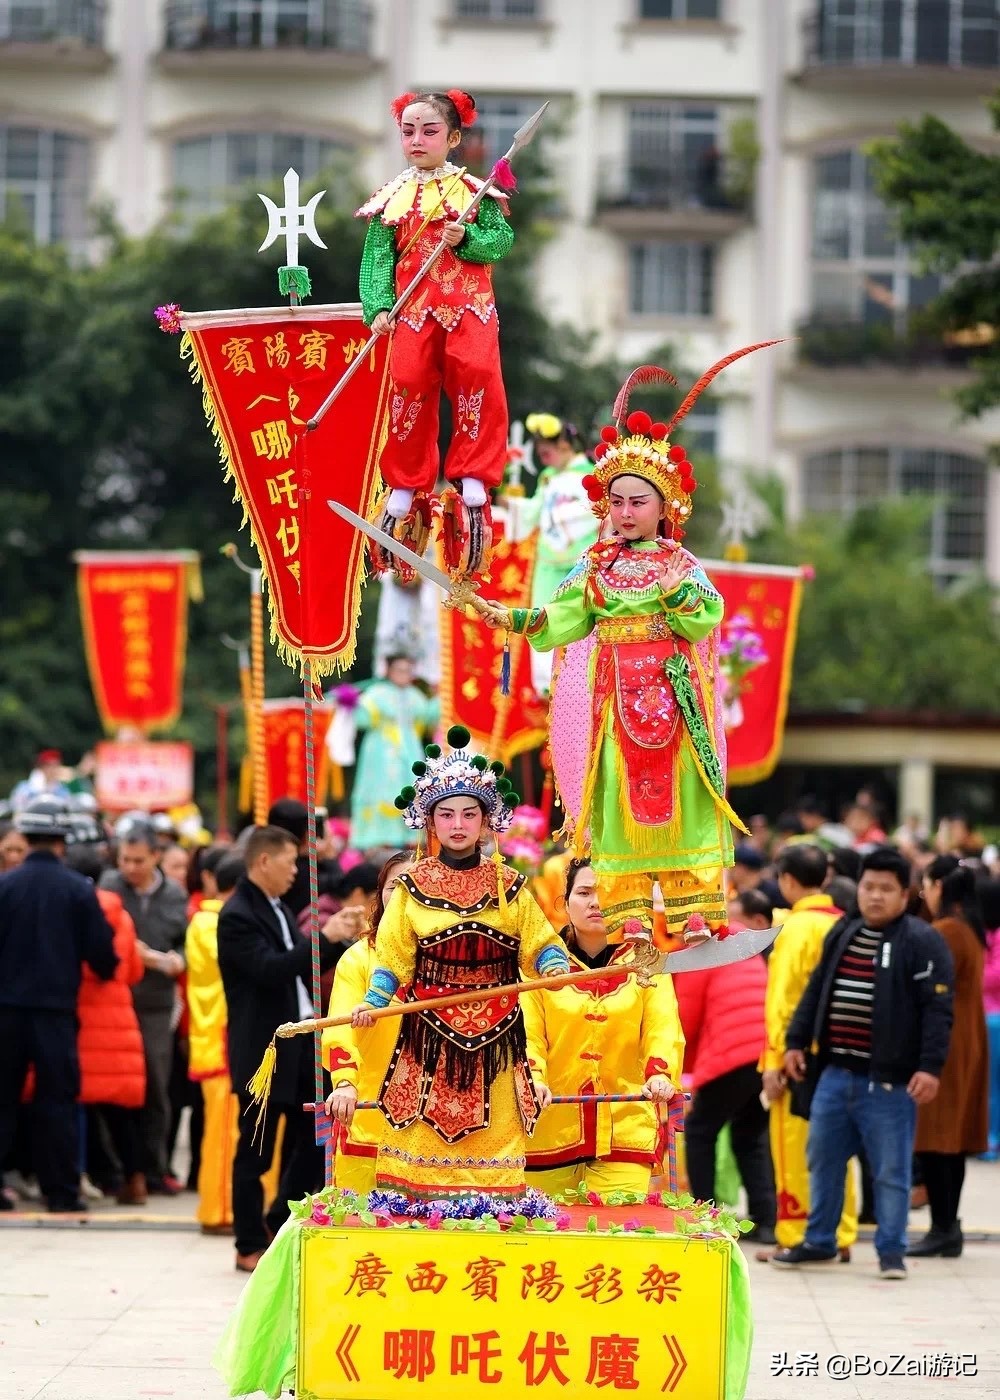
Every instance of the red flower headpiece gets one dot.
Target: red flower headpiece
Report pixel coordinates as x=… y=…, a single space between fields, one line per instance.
x=399 y=105
x=464 y=105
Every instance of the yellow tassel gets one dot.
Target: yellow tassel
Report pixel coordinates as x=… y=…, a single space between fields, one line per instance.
x=501 y=890
x=259 y=1087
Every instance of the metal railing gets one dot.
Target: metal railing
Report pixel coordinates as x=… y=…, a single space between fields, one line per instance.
x=52 y=20
x=338 y=25
x=904 y=34
x=712 y=183
x=839 y=341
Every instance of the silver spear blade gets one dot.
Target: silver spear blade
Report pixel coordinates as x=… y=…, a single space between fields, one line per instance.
x=525 y=134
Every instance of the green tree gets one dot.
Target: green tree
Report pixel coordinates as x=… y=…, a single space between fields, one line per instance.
x=946 y=195
x=875 y=631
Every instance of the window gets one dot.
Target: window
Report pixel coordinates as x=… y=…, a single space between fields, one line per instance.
x=699 y=432
x=497 y=118
x=209 y=170
x=268 y=24
x=673 y=153
x=956 y=33
x=844 y=480
x=44 y=181
x=38 y=21
x=504 y=10
x=861 y=271
x=679 y=9
x=671 y=279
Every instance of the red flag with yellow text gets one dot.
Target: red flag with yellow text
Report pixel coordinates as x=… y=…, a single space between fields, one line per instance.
x=285 y=747
x=471 y=658
x=756 y=651
x=133 y=607
x=263 y=373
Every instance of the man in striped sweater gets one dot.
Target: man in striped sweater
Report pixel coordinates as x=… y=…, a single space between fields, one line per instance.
x=876 y=1019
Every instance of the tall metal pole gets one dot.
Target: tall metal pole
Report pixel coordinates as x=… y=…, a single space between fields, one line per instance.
x=258 y=750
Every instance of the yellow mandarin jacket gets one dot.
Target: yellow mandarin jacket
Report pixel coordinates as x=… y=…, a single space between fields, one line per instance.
x=603 y=1037
x=358 y=1057
x=794 y=954
x=206 y=999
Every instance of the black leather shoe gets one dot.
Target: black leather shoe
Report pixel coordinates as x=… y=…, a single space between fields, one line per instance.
x=938 y=1244
x=800 y=1254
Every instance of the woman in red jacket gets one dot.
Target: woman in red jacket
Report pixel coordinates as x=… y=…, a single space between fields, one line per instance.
x=722 y=1012
x=112 y=1061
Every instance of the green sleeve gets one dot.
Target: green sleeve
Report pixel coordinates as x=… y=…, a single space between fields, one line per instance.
x=377 y=278
x=489 y=238
x=693 y=611
x=567 y=618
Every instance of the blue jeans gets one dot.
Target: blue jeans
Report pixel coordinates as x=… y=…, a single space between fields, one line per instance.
x=848 y=1113
x=993 y=1035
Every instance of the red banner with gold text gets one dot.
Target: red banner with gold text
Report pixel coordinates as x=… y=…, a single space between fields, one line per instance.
x=285 y=746
x=133 y=607
x=756 y=650
x=471 y=658
x=263 y=373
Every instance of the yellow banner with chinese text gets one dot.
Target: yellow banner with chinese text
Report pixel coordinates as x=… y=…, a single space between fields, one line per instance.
x=394 y=1314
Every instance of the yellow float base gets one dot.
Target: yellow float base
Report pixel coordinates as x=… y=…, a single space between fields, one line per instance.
x=391 y=1314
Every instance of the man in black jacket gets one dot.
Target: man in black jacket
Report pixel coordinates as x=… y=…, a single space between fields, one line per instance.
x=264 y=962
x=50 y=925
x=876 y=1017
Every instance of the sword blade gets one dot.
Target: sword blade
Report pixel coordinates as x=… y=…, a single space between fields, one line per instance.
x=425 y=569
x=719 y=952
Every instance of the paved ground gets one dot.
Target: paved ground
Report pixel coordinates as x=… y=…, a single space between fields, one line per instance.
x=129 y=1306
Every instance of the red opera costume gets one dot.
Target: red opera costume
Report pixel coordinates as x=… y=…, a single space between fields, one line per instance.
x=447 y=335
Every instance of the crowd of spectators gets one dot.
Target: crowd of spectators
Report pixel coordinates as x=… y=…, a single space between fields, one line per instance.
x=141 y=980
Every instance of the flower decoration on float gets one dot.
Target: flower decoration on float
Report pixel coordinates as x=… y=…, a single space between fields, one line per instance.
x=638 y=446
x=459 y=773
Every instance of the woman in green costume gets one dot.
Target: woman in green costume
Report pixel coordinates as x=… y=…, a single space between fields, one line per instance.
x=653 y=795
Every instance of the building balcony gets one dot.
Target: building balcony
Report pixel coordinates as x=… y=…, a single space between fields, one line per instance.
x=315 y=35
x=912 y=45
x=708 y=199
x=847 y=347
x=53 y=33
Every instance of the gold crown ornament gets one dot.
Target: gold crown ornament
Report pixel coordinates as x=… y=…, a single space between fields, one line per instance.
x=643 y=447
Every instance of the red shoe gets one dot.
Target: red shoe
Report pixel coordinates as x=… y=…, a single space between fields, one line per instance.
x=167 y=1185
x=635 y=931
x=696 y=930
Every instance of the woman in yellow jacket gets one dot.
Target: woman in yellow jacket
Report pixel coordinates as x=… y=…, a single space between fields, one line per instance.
x=358 y=1058
x=604 y=1037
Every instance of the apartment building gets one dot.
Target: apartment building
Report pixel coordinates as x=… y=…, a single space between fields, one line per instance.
x=713 y=187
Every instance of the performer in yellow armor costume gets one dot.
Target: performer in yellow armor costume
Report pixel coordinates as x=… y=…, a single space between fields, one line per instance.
x=358 y=1060
x=610 y=1036
x=458 y=1098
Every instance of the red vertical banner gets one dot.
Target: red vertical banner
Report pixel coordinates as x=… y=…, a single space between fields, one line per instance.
x=285 y=748
x=471 y=659
x=263 y=374
x=133 y=609
x=756 y=652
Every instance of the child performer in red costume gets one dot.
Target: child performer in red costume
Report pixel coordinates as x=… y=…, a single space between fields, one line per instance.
x=446 y=336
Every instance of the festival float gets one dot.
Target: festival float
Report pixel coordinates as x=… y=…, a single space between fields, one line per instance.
x=428 y=1286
